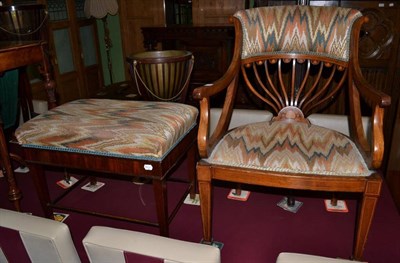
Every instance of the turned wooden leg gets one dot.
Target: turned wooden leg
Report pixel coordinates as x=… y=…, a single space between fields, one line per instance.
x=19 y=160
x=14 y=193
x=205 y=189
x=49 y=83
x=366 y=213
x=160 y=194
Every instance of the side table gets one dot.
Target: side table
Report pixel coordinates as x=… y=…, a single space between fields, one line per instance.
x=13 y=55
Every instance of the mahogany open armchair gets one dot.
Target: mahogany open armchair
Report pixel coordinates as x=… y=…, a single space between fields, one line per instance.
x=295 y=59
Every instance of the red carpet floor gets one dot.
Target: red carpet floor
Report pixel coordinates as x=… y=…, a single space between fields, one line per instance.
x=253 y=231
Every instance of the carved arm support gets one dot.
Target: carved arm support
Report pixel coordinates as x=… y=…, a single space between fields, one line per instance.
x=377 y=101
x=229 y=81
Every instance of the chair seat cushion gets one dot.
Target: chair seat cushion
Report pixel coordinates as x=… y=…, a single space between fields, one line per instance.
x=295 y=147
x=128 y=129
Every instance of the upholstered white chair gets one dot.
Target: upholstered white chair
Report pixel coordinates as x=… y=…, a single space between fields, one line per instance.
x=105 y=244
x=27 y=238
x=286 y=257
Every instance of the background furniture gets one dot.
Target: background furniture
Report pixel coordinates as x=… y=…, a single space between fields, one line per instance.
x=211 y=46
x=15 y=55
x=27 y=238
x=106 y=244
x=162 y=75
x=294 y=78
x=124 y=90
x=73 y=49
x=101 y=10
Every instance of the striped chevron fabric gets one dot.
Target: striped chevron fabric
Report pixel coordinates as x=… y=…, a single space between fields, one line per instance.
x=279 y=146
x=127 y=129
x=297 y=29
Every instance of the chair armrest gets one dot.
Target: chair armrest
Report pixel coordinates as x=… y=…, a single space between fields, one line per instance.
x=377 y=101
x=372 y=96
x=228 y=82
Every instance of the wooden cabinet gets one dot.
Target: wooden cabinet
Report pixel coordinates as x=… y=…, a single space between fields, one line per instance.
x=135 y=14
x=74 y=50
x=211 y=12
x=393 y=168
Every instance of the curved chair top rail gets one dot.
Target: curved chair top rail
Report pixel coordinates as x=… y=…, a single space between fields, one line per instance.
x=322 y=31
x=296 y=56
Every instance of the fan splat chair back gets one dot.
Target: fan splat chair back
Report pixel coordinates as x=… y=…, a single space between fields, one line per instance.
x=295 y=59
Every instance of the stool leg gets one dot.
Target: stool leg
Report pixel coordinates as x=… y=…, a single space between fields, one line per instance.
x=160 y=194
x=192 y=161
x=42 y=189
x=366 y=211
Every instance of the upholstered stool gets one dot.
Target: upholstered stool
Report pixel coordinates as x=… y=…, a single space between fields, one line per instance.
x=129 y=138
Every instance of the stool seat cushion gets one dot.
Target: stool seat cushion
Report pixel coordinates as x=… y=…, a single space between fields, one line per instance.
x=290 y=147
x=125 y=129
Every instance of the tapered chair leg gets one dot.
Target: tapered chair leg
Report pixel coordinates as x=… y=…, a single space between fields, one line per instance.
x=205 y=190
x=365 y=213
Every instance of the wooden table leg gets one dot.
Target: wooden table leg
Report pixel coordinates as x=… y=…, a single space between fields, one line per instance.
x=14 y=193
x=160 y=194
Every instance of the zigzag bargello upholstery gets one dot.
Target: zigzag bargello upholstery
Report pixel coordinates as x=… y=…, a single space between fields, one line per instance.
x=290 y=147
x=127 y=129
x=297 y=29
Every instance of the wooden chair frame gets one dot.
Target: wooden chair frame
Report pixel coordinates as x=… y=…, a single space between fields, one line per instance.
x=368 y=188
